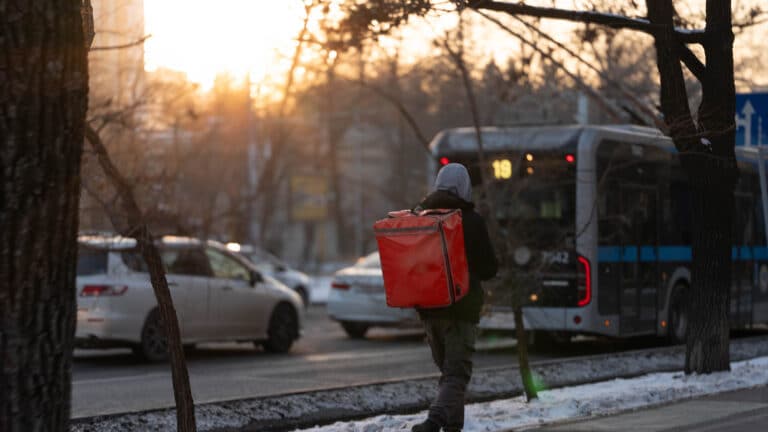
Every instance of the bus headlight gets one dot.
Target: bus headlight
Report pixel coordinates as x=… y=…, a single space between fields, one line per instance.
x=522 y=255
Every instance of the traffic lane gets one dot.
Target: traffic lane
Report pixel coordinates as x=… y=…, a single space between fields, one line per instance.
x=113 y=381
x=224 y=373
x=320 y=336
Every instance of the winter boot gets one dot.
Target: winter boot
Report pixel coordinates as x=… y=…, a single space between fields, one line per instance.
x=452 y=429
x=426 y=426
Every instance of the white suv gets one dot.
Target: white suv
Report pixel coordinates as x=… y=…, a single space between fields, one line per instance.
x=218 y=296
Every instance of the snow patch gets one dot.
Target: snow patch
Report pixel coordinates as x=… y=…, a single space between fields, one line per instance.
x=409 y=395
x=581 y=401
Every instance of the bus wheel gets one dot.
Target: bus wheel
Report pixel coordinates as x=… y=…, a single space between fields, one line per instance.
x=678 y=315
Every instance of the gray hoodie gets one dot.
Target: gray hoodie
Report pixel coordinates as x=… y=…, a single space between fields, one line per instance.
x=454 y=178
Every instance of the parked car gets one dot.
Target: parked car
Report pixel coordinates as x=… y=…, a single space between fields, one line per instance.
x=273 y=266
x=357 y=300
x=218 y=296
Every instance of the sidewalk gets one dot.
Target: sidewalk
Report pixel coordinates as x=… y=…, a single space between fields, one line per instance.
x=741 y=410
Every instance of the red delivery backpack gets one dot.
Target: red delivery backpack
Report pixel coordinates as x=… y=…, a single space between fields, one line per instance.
x=423 y=258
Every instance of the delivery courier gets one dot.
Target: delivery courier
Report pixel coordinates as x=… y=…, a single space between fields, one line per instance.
x=433 y=258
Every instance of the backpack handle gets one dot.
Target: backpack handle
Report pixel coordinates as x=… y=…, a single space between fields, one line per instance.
x=438 y=212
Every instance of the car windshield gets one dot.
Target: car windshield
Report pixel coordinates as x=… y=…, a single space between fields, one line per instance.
x=369 y=261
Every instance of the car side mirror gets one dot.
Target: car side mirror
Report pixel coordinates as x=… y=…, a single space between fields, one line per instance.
x=256 y=277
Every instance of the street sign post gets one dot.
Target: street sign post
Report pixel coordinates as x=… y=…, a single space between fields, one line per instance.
x=752 y=130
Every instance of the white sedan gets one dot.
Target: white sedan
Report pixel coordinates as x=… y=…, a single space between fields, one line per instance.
x=218 y=296
x=358 y=302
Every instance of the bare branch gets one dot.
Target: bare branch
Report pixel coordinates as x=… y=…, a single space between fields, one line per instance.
x=398 y=104
x=612 y=111
x=123 y=46
x=588 y=17
x=652 y=115
x=692 y=62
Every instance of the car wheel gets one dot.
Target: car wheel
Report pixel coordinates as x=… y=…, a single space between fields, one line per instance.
x=154 y=343
x=302 y=291
x=283 y=329
x=355 y=330
x=678 y=315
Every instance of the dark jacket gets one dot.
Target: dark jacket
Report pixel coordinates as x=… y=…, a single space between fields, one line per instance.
x=481 y=258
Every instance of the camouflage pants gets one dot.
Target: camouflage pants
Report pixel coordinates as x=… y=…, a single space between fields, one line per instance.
x=452 y=343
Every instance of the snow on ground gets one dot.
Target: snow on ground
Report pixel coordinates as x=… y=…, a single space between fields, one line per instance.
x=587 y=400
x=319 y=289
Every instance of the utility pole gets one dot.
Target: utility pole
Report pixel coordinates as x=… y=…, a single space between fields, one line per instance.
x=252 y=161
x=360 y=171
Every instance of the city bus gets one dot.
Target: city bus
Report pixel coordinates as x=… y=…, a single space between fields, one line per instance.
x=596 y=222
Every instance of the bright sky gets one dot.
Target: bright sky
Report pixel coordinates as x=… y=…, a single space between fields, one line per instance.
x=203 y=38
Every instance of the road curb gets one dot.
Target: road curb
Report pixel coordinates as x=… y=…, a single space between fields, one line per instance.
x=325 y=406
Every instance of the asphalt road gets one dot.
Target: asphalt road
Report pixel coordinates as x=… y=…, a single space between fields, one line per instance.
x=112 y=381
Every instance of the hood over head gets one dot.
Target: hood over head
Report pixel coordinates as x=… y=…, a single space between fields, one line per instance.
x=454 y=178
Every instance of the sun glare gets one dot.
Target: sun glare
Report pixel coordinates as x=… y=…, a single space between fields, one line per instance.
x=204 y=38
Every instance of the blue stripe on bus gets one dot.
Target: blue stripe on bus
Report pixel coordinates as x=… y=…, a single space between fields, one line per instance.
x=760 y=253
x=675 y=253
x=745 y=253
x=609 y=254
x=647 y=253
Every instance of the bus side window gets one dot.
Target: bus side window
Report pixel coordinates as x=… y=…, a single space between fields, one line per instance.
x=760 y=238
x=746 y=196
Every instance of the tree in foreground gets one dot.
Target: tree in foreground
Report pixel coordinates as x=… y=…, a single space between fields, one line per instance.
x=705 y=140
x=43 y=101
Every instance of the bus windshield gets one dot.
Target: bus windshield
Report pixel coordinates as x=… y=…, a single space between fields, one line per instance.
x=536 y=191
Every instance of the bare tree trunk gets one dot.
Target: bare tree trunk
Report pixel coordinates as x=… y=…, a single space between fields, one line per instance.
x=269 y=180
x=43 y=101
x=137 y=228
x=707 y=155
x=334 y=137
x=522 y=350
x=715 y=173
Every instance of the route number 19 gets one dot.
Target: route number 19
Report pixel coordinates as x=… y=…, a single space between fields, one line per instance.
x=502 y=169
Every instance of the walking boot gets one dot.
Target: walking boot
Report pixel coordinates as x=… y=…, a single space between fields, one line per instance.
x=426 y=426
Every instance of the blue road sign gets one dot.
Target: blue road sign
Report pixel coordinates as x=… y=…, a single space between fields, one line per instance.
x=751 y=119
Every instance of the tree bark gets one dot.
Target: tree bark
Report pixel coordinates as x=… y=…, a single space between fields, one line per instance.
x=707 y=156
x=712 y=175
x=137 y=228
x=43 y=101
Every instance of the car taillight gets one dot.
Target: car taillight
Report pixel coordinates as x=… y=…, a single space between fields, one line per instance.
x=103 y=290
x=584 y=288
x=339 y=286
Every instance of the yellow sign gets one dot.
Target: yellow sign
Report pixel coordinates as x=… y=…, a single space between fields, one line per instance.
x=309 y=195
x=502 y=169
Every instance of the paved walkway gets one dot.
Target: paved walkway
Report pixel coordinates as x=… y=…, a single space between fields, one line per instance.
x=742 y=411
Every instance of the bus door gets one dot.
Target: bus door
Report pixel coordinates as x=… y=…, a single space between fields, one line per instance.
x=639 y=278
